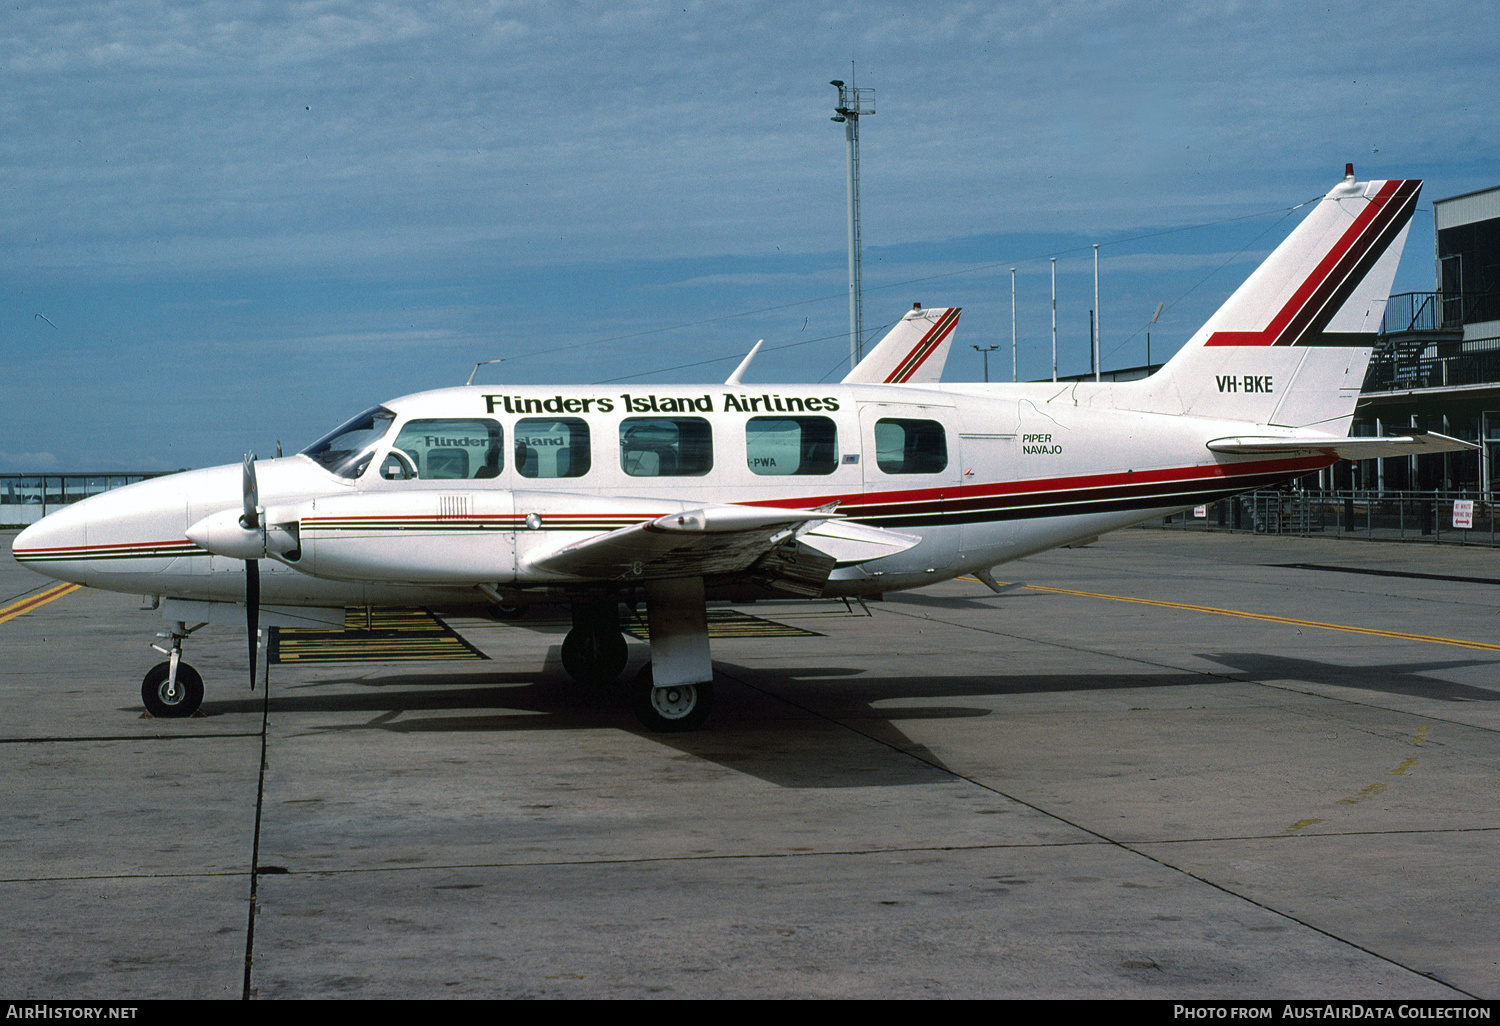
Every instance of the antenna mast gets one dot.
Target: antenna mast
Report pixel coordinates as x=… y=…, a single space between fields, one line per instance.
x=853 y=102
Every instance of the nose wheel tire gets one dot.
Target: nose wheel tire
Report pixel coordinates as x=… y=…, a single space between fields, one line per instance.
x=175 y=702
x=595 y=656
x=673 y=709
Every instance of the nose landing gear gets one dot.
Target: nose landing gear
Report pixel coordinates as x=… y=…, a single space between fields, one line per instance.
x=172 y=689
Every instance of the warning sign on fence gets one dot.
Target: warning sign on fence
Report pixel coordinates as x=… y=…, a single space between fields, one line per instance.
x=1463 y=513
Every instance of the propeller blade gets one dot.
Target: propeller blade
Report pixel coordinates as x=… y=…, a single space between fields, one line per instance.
x=251 y=517
x=252 y=612
x=252 y=520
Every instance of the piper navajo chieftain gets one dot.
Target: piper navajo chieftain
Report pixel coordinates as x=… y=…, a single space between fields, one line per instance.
x=676 y=496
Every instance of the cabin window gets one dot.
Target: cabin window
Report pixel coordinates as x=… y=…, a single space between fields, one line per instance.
x=348 y=448
x=910 y=446
x=448 y=450
x=552 y=447
x=666 y=446
x=791 y=445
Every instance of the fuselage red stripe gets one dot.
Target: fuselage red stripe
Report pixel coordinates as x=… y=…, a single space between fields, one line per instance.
x=1287 y=465
x=182 y=544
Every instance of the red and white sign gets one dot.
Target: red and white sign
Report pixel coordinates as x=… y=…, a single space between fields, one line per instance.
x=1463 y=513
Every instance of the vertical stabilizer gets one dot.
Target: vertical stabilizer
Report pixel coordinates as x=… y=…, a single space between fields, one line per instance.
x=912 y=353
x=1291 y=345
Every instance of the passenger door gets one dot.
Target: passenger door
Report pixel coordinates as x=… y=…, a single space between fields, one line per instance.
x=912 y=470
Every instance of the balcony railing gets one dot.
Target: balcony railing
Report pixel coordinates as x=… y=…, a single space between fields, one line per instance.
x=1438 y=311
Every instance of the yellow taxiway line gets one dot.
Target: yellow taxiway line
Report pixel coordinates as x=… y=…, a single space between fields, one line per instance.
x=31 y=602
x=1404 y=636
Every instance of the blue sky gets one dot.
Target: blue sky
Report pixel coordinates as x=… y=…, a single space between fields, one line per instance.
x=241 y=222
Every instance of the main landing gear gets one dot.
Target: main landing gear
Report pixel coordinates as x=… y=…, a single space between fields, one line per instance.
x=675 y=709
x=594 y=652
x=173 y=689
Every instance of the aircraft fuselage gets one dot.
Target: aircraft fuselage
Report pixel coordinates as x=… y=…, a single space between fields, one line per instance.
x=982 y=474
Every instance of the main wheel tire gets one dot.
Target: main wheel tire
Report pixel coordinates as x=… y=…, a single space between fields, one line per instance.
x=186 y=699
x=674 y=709
x=595 y=656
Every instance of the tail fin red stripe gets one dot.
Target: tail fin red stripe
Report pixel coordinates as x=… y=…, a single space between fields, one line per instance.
x=1321 y=294
x=924 y=348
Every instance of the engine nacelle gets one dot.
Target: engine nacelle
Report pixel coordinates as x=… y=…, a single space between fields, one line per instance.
x=412 y=537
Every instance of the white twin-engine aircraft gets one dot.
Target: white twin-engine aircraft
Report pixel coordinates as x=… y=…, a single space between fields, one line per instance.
x=679 y=495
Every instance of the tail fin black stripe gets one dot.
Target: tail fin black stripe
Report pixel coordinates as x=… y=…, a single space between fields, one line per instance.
x=1357 y=264
x=1290 y=317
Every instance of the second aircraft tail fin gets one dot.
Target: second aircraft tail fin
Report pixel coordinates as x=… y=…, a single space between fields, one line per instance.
x=912 y=353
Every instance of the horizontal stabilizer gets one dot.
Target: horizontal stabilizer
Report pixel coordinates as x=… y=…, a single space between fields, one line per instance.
x=1416 y=443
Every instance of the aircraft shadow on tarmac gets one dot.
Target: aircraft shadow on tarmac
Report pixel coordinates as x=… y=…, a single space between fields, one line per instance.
x=1387 y=678
x=802 y=727
x=979 y=603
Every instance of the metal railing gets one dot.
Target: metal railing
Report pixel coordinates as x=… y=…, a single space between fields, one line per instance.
x=1438 y=311
x=1389 y=373
x=1358 y=513
x=1411 y=311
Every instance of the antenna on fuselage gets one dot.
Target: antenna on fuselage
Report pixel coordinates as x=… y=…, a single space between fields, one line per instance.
x=478 y=365
x=734 y=379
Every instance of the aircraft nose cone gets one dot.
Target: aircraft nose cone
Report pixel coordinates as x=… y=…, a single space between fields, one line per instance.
x=54 y=544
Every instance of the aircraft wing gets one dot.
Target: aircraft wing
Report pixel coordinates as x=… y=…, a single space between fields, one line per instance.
x=1413 y=443
x=791 y=550
x=706 y=542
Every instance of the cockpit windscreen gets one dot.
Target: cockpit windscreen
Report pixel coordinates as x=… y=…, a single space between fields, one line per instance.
x=347 y=449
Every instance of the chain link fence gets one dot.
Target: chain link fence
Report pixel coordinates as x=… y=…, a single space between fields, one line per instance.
x=1442 y=518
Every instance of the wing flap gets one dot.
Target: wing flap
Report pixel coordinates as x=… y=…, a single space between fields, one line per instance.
x=706 y=542
x=849 y=543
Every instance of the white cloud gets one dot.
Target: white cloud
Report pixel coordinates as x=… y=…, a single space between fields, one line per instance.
x=343 y=132
x=29 y=462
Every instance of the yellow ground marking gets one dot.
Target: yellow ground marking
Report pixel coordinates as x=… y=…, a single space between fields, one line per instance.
x=394 y=635
x=730 y=623
x=1373 y=789
x=31 y=602
x=1365 y=792
x=1404 y=636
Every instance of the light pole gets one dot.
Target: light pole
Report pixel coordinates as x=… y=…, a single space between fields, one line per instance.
x=1094 y=334
x=986 y=351
x=1013 y=375
x=853 y=102
x=1054 y=318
